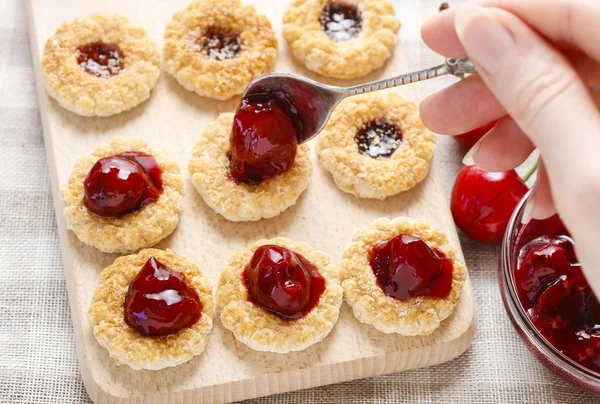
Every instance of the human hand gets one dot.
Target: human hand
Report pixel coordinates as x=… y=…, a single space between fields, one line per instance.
x=539 y=64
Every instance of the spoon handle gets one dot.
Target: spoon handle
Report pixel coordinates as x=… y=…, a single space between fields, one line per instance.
x=456 y=67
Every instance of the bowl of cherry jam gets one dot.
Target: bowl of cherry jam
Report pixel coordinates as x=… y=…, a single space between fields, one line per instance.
x=549 y=300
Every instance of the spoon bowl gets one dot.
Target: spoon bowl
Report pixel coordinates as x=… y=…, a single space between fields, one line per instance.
x=311 y=103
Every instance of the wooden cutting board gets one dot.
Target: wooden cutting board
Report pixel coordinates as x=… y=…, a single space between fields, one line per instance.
x=325 y=217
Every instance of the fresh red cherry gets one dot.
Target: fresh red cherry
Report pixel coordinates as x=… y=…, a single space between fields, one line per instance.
x=123 y=183
x=406 y=266
x=482 y=202
x=263 y=142
x=554 y=292
x=468 y=140
x=283 y=282
x=159 y=301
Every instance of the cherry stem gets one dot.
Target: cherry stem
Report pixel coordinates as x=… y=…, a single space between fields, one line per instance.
x=532 y=171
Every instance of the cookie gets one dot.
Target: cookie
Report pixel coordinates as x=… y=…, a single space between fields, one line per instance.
x=210 y=170
x=417 y=315
x=126 y=345
x=133 y=231
x=375 y=145
x=341 y=39
x=100 y=65
x=217 y=47
x=264 y=331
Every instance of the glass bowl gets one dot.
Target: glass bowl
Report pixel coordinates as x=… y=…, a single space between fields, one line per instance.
x=559 y=364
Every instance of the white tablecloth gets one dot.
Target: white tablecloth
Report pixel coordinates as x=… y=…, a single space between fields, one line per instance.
x=37 y=351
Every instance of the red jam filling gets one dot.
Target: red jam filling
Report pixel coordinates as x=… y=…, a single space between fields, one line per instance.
x=121 y=184
x=101 y=59
x=406 y=267
x=378 y=139
x=341 y=22
x=263 y=141
x=555 y=294
x=219 y=43
x=160 y=302
x=283 y=282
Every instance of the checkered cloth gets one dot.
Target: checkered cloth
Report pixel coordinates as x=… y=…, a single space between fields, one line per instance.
x=37 y=350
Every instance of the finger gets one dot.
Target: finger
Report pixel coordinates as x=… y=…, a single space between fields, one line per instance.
x=462 y=107
x=570 y=23
x=440 y=35
x=504 y=148
x=541 y=91
x=540 y=204
x=589 y=71
x=547 y=101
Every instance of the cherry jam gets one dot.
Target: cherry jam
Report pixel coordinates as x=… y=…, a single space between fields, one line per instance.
x=283 y=282
x=341 y=22
x=219 y=43
x=101 y=59
x=378 y=139
x=263 y=141
x=406 y=267
x=555 y=293
x=160 y=302
x=121 y=184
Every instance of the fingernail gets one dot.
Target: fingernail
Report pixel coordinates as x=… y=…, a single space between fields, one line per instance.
x=529 y=205
x=486 y=40
x=468 y=159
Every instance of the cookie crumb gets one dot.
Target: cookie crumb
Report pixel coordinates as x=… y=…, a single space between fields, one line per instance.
x=217 y=47
x=126 y=345
x=100 y=65
x=210 y=168
x=420 y=315
x=264 y=331
x=345 y=39
x=375 y=145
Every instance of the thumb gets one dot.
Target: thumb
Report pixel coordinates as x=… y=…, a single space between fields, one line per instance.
x=542 y=92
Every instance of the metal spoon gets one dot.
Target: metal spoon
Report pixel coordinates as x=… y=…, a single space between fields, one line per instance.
x=312 y=102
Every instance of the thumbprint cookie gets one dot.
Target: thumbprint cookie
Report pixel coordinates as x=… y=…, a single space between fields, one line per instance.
x=249 y=166
x=375 y=145
x=123 y=197
x=341 y=38
x=100 y=65
x=279 y=296
x=217 y=47
x=402 y=276
x=152 y=310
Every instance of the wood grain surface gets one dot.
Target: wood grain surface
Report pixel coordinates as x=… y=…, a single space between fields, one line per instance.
x=325 y=217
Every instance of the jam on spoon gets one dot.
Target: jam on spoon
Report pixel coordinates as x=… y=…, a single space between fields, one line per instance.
x=101 y=59
x=378 y=139
x=283 y=282
x=406 y=267
x=554 y=292
x=341 y=22
x=160 y=302
x=121 y=184
x=263 y=141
